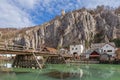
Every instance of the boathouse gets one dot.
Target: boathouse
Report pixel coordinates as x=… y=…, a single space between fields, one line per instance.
x=94 y=55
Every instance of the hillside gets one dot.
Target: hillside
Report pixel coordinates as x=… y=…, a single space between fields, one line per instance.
x=81 y=26
x=7 y=33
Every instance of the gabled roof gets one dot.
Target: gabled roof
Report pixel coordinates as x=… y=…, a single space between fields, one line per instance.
x=99 y=45
x=94 y=53
x=75 y=44
x=111 y=44
x=49 y=49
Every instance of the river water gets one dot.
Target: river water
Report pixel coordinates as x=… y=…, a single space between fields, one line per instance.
x=64 y=72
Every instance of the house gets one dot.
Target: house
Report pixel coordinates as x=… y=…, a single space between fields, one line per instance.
x=76 y=49
x=108 y=48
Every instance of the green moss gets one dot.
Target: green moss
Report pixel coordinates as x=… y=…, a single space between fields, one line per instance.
x=98 y=38
x=59 y=47
x=87 y=44
x=117 y=42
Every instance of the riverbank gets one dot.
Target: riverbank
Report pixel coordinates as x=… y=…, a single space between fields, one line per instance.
x=85 y=62
x=73 y=71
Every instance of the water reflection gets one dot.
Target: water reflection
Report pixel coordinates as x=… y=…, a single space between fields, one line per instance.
x=65 y=72
x=6 y=65
x=86 y=72
x=64 y=75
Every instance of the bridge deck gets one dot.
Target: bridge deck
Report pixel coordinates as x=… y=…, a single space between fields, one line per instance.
x=27 y=57
x=22 y=50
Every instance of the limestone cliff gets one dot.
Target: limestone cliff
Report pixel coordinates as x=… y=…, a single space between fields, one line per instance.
x=80 y=26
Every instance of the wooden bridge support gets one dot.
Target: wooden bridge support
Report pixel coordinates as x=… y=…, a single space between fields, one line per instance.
x=26 y=61
x=56 y=60
x=31 y=61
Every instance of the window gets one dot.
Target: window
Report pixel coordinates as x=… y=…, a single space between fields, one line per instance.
x=76 y=48
x=109 y=51
x=104 y=50
x=72 y=48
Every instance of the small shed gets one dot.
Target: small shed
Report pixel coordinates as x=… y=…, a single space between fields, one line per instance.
x=104 y=57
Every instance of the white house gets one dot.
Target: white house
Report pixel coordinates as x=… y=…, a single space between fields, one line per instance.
x=76 y=49
x=108 y=48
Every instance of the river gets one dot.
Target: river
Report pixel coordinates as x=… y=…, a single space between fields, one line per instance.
x=63 y=72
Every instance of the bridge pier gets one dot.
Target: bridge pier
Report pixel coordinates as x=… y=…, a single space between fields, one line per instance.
x=29 y=61
x=26 y=58
x=26 y=61
x=56 y=60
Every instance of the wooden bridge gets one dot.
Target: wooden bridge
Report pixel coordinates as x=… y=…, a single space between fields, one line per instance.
x=29 y=58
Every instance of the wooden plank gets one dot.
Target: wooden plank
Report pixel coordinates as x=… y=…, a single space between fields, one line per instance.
x=63 y=58
x=40 y=66
x=26 y=52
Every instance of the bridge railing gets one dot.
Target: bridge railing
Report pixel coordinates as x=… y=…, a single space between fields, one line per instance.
x=15 y=47
x=5 y=46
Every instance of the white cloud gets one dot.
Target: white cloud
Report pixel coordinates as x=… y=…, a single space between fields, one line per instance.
x=21 y=13
x=12 y=16
x=75 y=4
x=28 y=4
x=47 y=9
x=53 y=6
x=94 y=3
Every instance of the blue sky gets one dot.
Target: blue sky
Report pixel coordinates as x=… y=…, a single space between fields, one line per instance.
x=26 y=13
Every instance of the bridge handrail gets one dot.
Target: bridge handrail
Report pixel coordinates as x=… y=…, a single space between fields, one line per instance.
x=11 y=47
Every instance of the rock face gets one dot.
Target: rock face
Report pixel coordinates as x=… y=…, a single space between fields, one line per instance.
x=79 y=26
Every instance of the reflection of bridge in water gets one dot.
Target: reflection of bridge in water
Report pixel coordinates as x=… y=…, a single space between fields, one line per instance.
x=30 y=58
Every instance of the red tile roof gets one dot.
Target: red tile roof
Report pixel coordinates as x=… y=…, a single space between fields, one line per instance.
x=49 y=49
